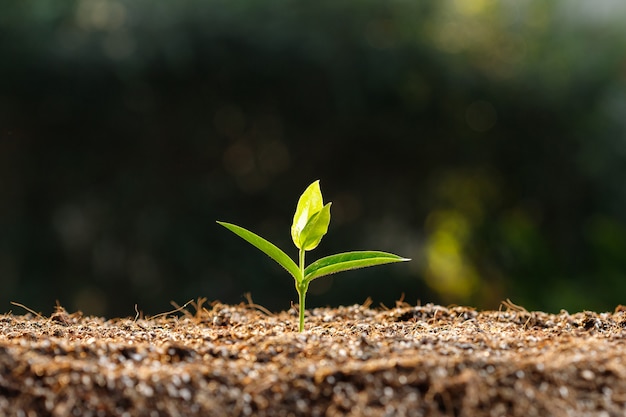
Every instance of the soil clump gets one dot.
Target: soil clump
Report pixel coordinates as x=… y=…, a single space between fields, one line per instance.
x=227 y=360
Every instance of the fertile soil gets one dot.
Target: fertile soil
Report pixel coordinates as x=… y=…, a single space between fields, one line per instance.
x=228 y=360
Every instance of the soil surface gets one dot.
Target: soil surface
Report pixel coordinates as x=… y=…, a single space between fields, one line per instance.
x=226 y=360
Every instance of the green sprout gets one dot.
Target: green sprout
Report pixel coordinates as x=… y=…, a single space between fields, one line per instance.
x=310 y=224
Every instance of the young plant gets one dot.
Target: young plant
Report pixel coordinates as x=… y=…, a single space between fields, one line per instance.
x=310 y=224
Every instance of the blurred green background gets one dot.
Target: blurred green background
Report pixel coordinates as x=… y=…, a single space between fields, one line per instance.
x=484 y=139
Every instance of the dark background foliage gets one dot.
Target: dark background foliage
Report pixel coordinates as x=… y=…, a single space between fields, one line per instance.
x=486 y=140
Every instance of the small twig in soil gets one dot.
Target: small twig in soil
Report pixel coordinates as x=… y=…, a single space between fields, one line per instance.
x=28 y=309
x=257 y=306
x=400 y=303
x=198 y=306
x=517 y=308
x=176 y=310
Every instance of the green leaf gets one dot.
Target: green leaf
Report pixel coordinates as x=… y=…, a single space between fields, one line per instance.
x=266 y=247
x=347 y=261
x=316 y=228
x=310 y=202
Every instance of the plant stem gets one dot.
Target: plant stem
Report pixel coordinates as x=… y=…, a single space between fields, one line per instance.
x=302 y=288
x=301 y=295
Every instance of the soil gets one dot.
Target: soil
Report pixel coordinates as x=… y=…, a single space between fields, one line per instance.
x=356 y=361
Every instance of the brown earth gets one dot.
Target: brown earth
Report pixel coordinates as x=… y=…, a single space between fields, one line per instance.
x=357 y=361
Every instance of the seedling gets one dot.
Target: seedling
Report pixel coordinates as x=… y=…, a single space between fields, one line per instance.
x=310 y=224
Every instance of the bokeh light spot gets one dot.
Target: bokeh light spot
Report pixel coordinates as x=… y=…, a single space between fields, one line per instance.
x=239 y=159
x=100 y=15
x=481 y=116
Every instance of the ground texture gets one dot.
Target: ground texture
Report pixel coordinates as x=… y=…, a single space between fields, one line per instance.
x=227 y=360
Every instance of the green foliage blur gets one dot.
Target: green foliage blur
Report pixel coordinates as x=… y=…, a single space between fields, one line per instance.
x=484 y=139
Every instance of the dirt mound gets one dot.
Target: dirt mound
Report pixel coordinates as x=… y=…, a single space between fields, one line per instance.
x=357 y=361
